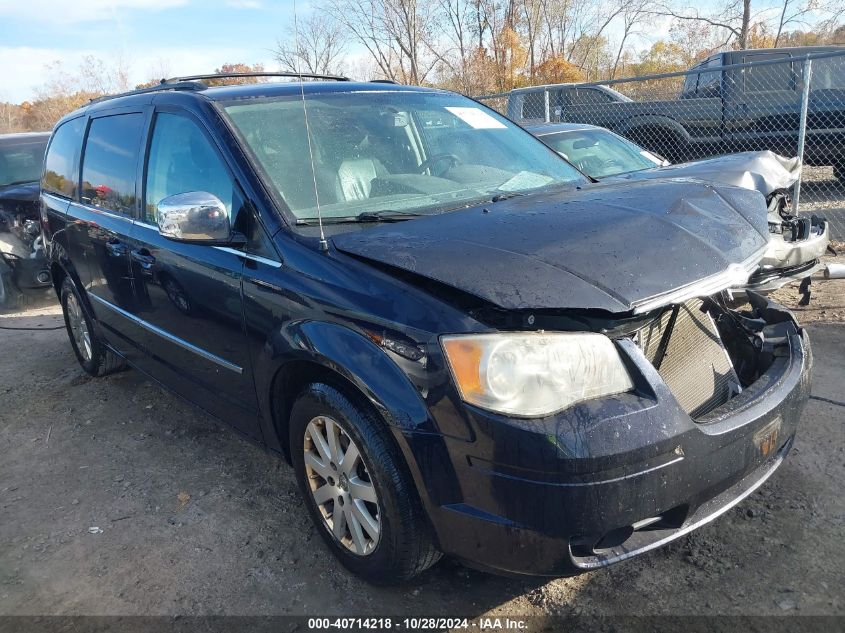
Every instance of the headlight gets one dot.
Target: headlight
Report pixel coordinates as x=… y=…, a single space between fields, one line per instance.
x=534 y=374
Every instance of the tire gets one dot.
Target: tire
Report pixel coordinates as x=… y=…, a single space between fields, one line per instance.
x=404 y=546
x=93 y=356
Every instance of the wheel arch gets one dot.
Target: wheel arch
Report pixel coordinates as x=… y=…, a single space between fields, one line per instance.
x=346 y=360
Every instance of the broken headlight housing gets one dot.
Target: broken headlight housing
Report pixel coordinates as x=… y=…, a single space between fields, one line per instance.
x=534 y=374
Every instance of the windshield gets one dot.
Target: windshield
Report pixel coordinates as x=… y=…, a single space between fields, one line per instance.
x=21 y=161
x=397 y=152
x=599 y=153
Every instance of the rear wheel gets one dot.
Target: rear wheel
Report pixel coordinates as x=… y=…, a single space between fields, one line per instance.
x=357 y=488
x=94 y=357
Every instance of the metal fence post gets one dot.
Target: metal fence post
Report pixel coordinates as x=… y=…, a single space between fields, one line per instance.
x=802 y=130
x=546 y=103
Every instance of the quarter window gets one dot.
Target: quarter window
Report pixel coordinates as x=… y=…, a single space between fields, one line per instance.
x=110 y=162
x=59 y=176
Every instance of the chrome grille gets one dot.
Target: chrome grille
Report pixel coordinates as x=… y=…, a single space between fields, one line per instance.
x=687 y=351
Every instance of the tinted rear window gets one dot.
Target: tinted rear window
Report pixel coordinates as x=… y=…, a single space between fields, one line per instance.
x=59 y=176
x=110 y=162
x=771 y=77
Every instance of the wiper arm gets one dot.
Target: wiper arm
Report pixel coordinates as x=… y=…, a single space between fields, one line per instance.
x=385 y=215
x=504 y=196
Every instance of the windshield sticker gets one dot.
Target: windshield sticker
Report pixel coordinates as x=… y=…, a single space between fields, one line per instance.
x=475 y=118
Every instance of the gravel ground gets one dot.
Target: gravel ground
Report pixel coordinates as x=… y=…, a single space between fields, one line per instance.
x=117 y=498
x=827 y=296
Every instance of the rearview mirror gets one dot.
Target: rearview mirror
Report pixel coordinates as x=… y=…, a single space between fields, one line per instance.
x=195 y=216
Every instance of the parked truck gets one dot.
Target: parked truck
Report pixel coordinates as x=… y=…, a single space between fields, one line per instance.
x=731 y=102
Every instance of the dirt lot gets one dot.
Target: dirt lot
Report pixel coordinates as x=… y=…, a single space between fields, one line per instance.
x=117 y=498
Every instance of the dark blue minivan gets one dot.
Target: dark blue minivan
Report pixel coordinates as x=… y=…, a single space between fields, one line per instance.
x=460 y=348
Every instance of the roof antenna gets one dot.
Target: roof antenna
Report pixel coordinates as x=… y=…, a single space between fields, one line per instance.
x=324 y=245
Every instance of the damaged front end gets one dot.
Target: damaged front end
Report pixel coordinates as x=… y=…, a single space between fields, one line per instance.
x=707 y=352
x=24 y=270
x=717 y=397
x=705 y=349
x=796 y=245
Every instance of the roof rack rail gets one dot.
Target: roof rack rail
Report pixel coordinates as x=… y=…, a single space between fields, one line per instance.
x=384 y=81
x=182 y=85
x=256 y=74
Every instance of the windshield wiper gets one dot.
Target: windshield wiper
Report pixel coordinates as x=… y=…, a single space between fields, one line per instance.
x=18 y=182
x=504 y=196
x=386 y=215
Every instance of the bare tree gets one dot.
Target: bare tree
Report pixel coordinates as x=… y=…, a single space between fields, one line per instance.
x=11 y=118
x=394 y=32
x=314 y=45
x=796 y=12
x=633 y=14
x=735 y=18
x=95 y=75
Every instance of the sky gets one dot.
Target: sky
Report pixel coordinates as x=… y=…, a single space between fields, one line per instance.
x=173 y=37
x=181 y=36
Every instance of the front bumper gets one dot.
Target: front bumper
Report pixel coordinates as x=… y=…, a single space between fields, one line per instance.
x=787 y=261
x=608 y=479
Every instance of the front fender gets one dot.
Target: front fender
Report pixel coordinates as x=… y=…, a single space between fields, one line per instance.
x=348 y=354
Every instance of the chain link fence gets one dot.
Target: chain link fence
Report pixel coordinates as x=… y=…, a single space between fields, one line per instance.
x=786 y=101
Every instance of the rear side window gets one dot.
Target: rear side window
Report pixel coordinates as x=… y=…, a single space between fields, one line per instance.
x=590 y=96
x=534 y=105
x=110 y=161
x=771 y=77
x=59 y=176
x=828 y=74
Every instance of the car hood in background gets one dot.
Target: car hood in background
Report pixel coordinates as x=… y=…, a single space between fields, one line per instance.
x=761 y=171
x=611 y=247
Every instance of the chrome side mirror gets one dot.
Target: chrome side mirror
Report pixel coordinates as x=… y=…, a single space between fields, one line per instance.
x=195 y=216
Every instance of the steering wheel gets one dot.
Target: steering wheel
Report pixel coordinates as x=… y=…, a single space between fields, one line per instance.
x=428 y=163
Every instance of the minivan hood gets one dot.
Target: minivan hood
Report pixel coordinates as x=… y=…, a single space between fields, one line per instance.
x=616 y=247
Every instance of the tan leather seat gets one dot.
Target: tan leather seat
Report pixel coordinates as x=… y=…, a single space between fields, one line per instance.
x=356 y=177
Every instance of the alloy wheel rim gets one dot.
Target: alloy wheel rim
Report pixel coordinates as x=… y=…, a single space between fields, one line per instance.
x=341 y=486
x=79 y=327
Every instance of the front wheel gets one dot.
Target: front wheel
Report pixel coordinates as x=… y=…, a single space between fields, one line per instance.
x=94 y=357
x=357 y=488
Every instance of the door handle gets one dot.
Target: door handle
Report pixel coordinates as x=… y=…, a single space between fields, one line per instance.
x=144 y=258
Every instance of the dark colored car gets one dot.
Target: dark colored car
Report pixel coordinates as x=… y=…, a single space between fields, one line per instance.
x=796 y=243
x=734 y=101
x=427 y=312
x=23 y=269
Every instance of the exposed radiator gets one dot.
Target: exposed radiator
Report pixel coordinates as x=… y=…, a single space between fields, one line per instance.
x=687 y=351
